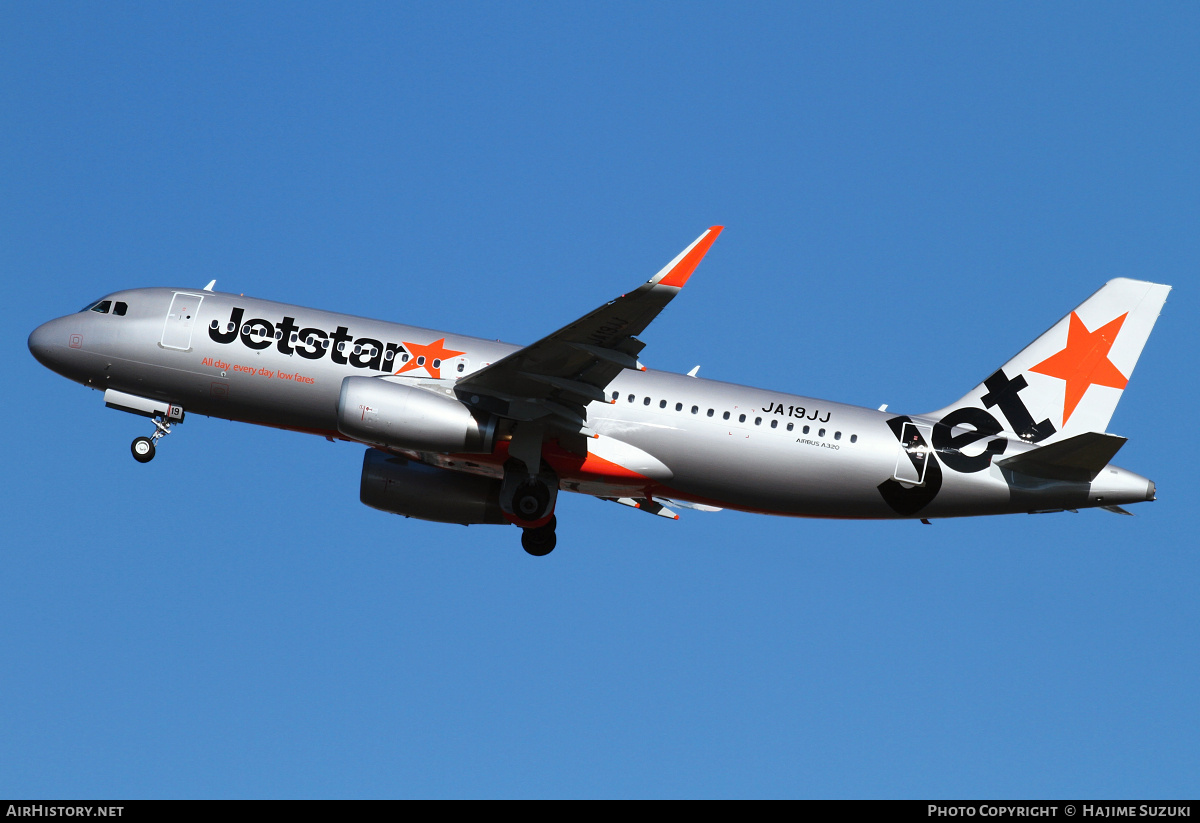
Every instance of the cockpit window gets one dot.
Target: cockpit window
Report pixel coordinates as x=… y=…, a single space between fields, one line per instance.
x=106 y=306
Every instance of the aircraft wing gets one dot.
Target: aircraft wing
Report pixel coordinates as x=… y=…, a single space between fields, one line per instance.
x=563 y=372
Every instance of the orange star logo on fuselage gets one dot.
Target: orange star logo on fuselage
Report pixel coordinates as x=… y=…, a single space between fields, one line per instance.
x=1084 y=362
x=429 y=357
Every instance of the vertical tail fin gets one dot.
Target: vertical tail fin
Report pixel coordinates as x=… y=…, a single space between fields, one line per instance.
x=1070 y=379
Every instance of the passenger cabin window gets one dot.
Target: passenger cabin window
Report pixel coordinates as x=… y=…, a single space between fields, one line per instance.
x=695 y=409
x=711 y=412
x=662 y=404
x=725 y=416
x=854 y=438
x=678 y=407
x=741 y=418
x=791 y=426
x=774 y=424
x=646 y=402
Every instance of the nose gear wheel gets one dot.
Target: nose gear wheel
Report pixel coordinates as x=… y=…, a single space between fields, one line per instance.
x=143 y=447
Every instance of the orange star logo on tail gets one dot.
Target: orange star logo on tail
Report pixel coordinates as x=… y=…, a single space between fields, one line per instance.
x=1084 y=362
x=428 y=357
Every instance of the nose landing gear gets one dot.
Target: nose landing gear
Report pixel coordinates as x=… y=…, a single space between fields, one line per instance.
x=161 y=412
x=143 y=447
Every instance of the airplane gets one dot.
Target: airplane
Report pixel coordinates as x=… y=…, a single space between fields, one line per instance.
x=472 y=431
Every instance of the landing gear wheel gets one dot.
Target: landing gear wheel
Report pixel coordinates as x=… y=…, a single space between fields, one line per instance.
x=540 y=541
x=531 y=500
x=143 y=449
x=537 y=544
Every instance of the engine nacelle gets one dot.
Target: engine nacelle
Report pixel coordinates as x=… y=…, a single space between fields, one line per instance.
x=383 y=413
x=401 y=486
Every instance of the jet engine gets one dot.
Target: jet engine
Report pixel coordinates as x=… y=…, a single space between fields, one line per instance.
x=401 y=486
x=384 y=413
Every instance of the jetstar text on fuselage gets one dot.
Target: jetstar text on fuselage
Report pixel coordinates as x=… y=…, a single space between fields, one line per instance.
x=313 y=343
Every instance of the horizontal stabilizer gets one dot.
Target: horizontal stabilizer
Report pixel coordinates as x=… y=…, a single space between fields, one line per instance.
x=1078 y=458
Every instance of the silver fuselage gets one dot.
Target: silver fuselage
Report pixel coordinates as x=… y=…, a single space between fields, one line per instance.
x=720 y=444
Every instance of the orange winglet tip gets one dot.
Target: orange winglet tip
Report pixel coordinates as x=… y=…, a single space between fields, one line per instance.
x=691 y=257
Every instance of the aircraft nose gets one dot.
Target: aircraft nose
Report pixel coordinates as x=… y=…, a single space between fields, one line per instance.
x=41 y=343
x=48 y=343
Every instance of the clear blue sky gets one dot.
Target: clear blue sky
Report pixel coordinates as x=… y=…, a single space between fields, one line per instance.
x=912 y=193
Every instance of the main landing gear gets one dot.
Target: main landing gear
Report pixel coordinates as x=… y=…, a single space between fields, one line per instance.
x=531 y=500
x=540 y=541
x=528 y=501
x=143 y=447
x=530 y=490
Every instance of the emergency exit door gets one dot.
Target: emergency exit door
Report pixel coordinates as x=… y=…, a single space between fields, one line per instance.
x=914 y=456
x=181 y=317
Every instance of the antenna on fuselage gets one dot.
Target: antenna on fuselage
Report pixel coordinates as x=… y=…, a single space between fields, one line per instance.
x=692 y=373
x=211 y=283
